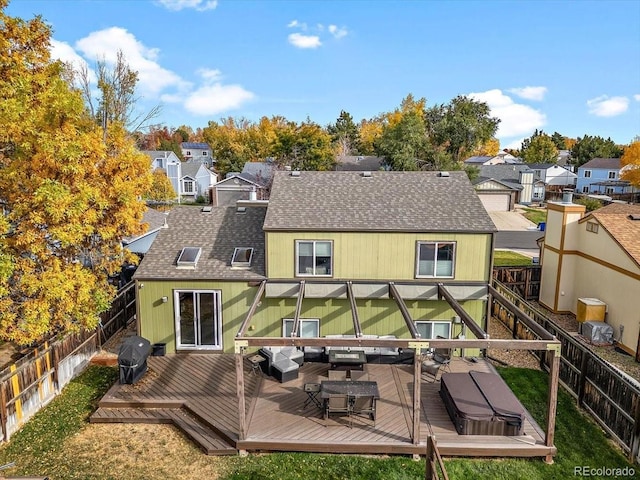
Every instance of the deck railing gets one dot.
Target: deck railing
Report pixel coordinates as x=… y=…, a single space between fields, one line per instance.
x=525 y=280
x=37 y=377
x=435 y=469
x=607 y=394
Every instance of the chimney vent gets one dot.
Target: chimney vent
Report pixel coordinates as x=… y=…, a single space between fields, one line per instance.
x=253 y=195
x=567 y=196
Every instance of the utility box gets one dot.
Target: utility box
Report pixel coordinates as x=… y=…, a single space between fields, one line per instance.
x=597 y=333
x=591 y=309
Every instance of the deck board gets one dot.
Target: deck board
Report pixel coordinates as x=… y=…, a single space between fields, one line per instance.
x=197 y=393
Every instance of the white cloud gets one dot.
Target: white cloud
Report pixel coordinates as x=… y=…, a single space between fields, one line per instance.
x=216 y=98
x=304 y=41
x=297 y=24
x=516 y=119
x=105 y=44
x=338 y=32
x=199 y=5
x=530 y=93
x=210 y=74
x=637 y=97
x=605 y=106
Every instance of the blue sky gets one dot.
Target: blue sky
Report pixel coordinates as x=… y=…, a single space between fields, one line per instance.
x=566 y=66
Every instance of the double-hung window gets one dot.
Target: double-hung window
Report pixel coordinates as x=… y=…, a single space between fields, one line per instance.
x=435 y=259
x=187 y=186
x=314 y=258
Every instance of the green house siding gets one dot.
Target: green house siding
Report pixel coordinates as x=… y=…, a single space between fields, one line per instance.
x=377 y=317
x=379 y=256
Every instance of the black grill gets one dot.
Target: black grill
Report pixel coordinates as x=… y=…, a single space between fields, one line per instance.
x=132 y=358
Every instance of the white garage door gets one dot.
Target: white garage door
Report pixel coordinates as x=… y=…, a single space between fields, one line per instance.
x=496 y=202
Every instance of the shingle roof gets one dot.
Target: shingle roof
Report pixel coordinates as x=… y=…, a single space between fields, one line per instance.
x=259 y=173
x=217 y=232
x=190 y=169
x=153 y=218
x=608 y=163
x=615 y=219
x=384 y=202
x=477 y=159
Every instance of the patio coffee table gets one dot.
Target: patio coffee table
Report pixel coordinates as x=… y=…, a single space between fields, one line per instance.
x=345 y=358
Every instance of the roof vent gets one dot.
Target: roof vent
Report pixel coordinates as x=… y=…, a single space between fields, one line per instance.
x=188 y=257
x=443 y=174
x=634 y=217
x=366 y=174
x=206 y=209
x=241 y=210
x=295 y=173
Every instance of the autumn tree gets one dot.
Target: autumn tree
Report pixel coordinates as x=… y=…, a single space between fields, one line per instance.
x=369 y=132
x=588 y=148
x=117 y=99
x=161 y=190
x=539 y=148
x=631 y=164
x=344 y=135
x=490 y=148
x=70 y=192
x=461 y=126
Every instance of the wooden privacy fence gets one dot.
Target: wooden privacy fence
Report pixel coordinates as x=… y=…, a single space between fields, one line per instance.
x=523 y=280
x=434 y=468
x=32 y=381
x=612 y=398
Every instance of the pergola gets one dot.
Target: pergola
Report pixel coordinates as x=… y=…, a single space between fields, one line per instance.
x=426 y=291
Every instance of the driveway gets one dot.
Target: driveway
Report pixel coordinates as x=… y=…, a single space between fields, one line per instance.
x=516 y=233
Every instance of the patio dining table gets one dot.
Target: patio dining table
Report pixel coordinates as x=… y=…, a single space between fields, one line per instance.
x=353 y=390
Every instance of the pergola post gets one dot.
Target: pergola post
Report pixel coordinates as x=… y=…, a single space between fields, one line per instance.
x=242 y=418
x=417 y=374
x=552 y=401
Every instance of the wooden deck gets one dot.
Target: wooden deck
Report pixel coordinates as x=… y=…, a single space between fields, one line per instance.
x=197 y=393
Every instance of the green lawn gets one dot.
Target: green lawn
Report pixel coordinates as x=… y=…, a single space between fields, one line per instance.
x=506 y=258
x=535 y=215
x=39 y=447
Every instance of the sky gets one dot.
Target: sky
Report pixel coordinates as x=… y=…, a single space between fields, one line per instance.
x=566 y=66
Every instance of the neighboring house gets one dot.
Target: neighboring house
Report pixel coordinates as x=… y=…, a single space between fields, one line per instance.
x=602 y=176
x=380 y=255
x=555 y=178
x=359 y=163
x=140 y=244
x=170 y=163
x=196 y=181
x=253 y=183
x=501 y=157
x=197 y=152
x=594 y=256
x=501 y=186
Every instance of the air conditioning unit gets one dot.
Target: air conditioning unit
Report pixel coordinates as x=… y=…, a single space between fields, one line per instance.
x=591 y=309
x=597 y=333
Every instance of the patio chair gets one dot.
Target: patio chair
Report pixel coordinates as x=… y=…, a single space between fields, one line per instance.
x=337 y=374
x=338 y=404
x=365 y=406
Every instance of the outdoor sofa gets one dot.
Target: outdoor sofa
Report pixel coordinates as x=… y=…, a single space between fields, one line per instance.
x=282 y=363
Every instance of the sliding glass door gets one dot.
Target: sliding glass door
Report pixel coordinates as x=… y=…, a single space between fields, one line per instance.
x=198 y=316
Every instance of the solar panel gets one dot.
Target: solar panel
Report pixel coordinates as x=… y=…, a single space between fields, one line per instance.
x=189 y=256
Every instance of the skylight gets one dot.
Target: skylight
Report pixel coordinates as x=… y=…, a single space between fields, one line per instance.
x=242 y=257
x=189 y=257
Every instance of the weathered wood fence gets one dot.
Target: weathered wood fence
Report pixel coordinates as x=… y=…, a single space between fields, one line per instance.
x=523 y=280
x=611 y=397
x=35 y=379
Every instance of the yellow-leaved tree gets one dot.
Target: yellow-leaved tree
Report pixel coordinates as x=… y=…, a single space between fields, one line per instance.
x=631 y=164
x=69 y=193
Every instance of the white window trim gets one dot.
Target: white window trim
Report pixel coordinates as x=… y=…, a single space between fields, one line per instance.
x=436 y=243
x=218 y=314
x=186 y=181
x=434 y=322
x=585 y=189
x=313 y=275
x=587 y=174
x=302 y=320
x=612 y=172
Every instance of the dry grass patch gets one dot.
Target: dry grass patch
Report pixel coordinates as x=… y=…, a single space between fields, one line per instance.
x=135 y=451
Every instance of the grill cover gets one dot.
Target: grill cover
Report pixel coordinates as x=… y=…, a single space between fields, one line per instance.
x=132 y=358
